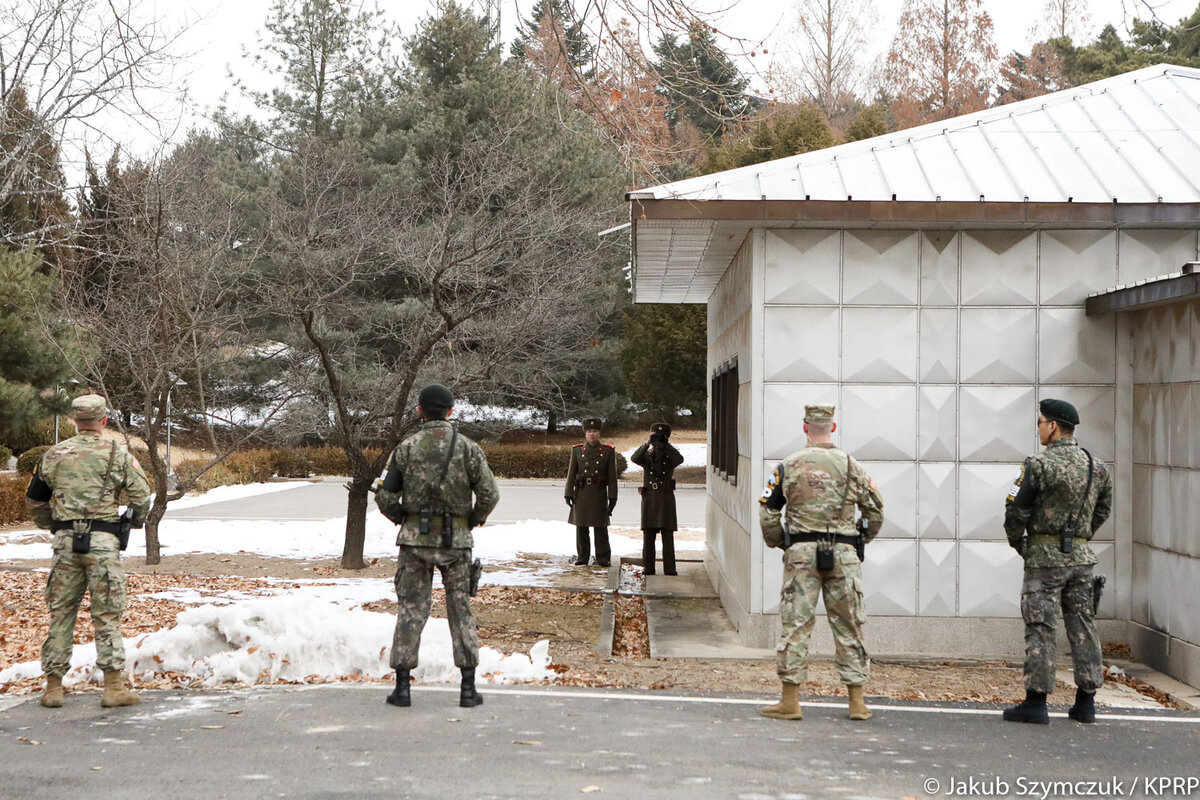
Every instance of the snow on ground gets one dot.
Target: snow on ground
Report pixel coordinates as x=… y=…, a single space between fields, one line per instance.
x=694 y=454
x=236 y=492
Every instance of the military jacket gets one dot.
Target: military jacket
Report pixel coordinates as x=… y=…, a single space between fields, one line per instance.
x=411 y=483
x=1047 y=493
x=592 y=482
x=658 y=484
x=812 y=484
x=73 y=481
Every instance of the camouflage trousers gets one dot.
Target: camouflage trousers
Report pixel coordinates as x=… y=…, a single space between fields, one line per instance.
x=414 y=585
x=72 y=575
x=842 y=589
x=1044 y=591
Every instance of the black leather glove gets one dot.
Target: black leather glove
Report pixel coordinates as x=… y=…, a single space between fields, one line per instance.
x=612 y=504
x=570 y=501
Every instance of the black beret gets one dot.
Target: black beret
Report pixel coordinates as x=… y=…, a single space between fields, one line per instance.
x=592 y=424
x=1059 y=411
x=435 y=396
x=661 y=427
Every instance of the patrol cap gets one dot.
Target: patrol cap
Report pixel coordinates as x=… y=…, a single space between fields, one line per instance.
x=661 y=427
x=592 y=424
x=436 y=397
x=1059 y=411
x=818 y=413
x=88 y=407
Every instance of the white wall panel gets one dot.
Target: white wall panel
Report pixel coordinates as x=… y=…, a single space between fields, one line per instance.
x=897 y=484
x=1106 y=565
x=1185 y=610
x=1076 y=348
x=801 y=344
x=937 y=432
x=1139 y=584
x=996 y=423
x=803 y=266
x=783 y=415
x=879 y=344
x=1181 y=426
x=1145 y=344
x=1143 y=504
x=1143 y=422
x=879 y=422
x=880 y=268
x=1183 y=525
x=890 y=577
x=1076 y=263
x=937 y=578
x=1161 y=595
x=1180 y=344
x=1161 y=518
x=1192 y=544
x=937 y=500
x=939 y=345
x=998 y=345
x=989 y=576
x=1146 y=254
x=999 y=268
x=1097 y=406
x=939 y=268
x=981 y=492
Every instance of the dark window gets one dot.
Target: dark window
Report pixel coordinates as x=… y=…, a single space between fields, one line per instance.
x=723 y=446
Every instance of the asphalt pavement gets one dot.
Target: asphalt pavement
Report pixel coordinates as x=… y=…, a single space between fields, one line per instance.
x=342 y=741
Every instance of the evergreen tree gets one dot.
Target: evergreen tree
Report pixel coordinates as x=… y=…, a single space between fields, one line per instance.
x=664 y=356
x=873 y=120
x=555 y=22
x=703 y=87
x=777 y=132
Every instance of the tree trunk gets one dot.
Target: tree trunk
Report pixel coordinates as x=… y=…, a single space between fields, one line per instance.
x=552 y=421
x=356 y=522
x=157 y=510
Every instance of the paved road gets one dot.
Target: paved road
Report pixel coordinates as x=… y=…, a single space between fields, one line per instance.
x=343 y=741
x=519 y=500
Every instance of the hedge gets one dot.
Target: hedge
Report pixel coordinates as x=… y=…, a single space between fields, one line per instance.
x=534 y=460
x=28 y=461
x=12 y=499
x=5 y=455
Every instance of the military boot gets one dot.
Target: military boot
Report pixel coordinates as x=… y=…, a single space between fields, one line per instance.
x=1084 y=709
x=52 y=696
x=788 y=706
x=858 y=707
x=401 y=696
x=115 y=693
x=467 y=696
x=1031 y=709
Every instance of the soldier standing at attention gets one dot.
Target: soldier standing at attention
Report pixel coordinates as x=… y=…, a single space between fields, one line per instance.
x=658 y=459
x=820 y=487
x=591 y=492
x=427 y=491
x=75 y=493
x=1062 y=496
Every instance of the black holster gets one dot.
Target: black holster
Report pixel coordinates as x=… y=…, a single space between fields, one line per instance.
x=81 y=537
x=825 y=557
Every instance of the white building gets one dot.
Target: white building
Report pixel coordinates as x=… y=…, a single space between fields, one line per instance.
x=932 y=284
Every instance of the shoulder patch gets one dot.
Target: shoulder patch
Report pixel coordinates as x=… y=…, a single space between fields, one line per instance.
x=871 y=483
x=609 y=446
x=133 y=460
x=578 y=445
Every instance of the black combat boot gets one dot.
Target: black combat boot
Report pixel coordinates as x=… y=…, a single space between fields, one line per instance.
x=1084 y=709
x=1031 y=709
x=467 y=696
x=401 y=696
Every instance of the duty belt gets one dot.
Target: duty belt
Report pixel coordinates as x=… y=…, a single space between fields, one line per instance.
x=591 y=481
x=95 y=524
x=804 y=536
x=660 y=483
x=1053 y=538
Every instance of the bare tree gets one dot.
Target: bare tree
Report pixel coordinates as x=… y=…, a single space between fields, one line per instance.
x=1063 y=18
x=827 y=65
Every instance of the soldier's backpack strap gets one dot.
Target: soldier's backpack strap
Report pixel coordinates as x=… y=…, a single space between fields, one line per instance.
x=112 y=456
x=1078 y=515
x=446 y=463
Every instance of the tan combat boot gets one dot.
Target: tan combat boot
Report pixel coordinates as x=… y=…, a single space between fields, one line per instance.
x=52 y=696
x=115 y=693
x=788 y=707
x=858 y=708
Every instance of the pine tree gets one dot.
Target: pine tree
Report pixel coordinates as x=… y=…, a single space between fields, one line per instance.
x=553 y=26
x=776 y=132
x=664 y=357
x=703 y=87
x=1024 y=76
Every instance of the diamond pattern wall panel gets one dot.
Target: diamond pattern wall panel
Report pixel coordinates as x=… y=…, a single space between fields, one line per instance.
x=802 y=344
x=998 y=345
x=1180 y=344
x=1140 y=579
x=879 y=422
x=1143 y=422
x=937 y=496
x=803 y=267
x=890 y=578
x=1194 y=435
x=939 y=345
x=1161 y=595
x=897 y=483
x=1180 y=424
x=1097 y=406
x=937 y=579
x=745 y=418
x=999 y=268
x=1160 y=507
x=1143 y=504
x=981 y=492
x=1147 y=254
x=1185 y=611
x=1160 y=429
x=937 y=425
x=880 y=268
x=989 y=580
x=1145 y=344
x=783 y=415
x=1075 y=264
x=1076 y=348
x=1192 y=542
x=939 y=268
x=879 y=344
x=996 y=423
x=1183 y=528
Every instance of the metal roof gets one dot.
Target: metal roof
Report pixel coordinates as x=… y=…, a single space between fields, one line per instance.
x=1173 y=287
x=1130 y=140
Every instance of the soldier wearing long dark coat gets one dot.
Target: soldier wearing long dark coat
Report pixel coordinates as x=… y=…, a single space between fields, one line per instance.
x=1063 y=488
x=591 y=492
x=658 y=459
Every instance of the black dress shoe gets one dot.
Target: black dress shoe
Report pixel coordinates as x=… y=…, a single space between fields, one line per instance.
x=670 y=573
x=581 y=562
x=651 y=572
x=602 y=563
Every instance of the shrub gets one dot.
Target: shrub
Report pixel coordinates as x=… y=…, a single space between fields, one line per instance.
x=251 y=466
x=326 y=460
x=12 y=499
x=291 y=463
x=5 y=455
x=534 y=460
x=27 y=461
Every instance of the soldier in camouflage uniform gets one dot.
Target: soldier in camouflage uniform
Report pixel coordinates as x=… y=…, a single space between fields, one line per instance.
x=591 y=492
x=427 y=491
x=77 y=487
x=658 y=459
x=820 y=486
x=1061 y=488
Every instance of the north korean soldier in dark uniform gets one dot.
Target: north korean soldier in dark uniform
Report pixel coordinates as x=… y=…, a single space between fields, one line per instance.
x=658 y=460
x=1062 y=496
x=427 y=491
x=591 y=492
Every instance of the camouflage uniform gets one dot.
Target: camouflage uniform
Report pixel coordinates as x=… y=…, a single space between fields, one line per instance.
x=411 y=484
x=1048 y=492
x=74 y=481
x=812 y=484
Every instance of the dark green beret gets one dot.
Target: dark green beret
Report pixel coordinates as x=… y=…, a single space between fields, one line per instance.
x=435 y=397
x=1059 y=411
x=661 y=427
x=592 y=424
